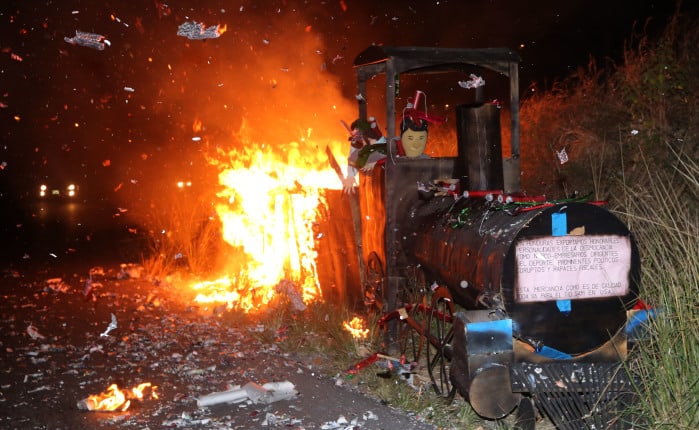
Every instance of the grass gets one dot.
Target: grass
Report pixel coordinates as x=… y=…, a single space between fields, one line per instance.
x=666 y=223
x=183 y=233
x=632 y=136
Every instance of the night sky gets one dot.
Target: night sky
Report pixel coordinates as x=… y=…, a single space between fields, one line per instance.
x=117 y=118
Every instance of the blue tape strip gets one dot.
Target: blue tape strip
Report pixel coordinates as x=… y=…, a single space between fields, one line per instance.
x=559 y=227
x=553 y=353
x=638 y=321
x=559 y=224
x=563 y=306
x=501 y=326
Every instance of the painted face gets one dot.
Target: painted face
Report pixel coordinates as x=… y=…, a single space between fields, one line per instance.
x=414 y=142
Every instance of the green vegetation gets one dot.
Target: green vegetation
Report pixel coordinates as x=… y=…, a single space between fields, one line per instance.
x=632 y=135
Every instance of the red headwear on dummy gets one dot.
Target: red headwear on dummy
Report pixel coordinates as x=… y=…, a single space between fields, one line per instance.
x=416 y=119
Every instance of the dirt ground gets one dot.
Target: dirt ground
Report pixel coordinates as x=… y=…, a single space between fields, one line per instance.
x=63 y=339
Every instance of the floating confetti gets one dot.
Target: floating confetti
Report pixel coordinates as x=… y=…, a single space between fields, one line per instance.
x=562 y=156
x=474 y=82
x=91 y=40
x=197 y=30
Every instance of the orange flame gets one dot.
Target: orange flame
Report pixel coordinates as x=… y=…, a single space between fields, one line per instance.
x=222 y=29
x=269 y=204
x=115 y=399
x=197 y=126
x=356 y=327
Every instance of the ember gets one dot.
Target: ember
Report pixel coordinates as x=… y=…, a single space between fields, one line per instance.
x=357 y=328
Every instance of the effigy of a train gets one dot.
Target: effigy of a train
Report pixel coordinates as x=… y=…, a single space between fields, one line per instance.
x=545 y=287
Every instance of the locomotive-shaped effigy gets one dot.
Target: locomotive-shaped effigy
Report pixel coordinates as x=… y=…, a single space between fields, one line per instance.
x=546 y=287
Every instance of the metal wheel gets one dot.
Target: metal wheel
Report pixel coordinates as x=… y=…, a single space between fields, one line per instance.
x=412 y=302
x=374 y=291
x=439 y=334
x=525 y=418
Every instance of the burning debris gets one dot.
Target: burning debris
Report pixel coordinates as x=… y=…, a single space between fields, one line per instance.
x=197 y=30
x=57 y=285
x=130 y=271
x=90 y=40
x=356 y=327
x=270 y=227
x=115 y=399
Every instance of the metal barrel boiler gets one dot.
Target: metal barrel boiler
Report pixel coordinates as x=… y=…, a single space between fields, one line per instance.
x=564 y=275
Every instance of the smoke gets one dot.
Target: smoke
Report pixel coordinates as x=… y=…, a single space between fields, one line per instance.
x=267 y=74
x=264 y=84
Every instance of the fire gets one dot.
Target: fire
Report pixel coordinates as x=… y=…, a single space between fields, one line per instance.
x=115 y=399
x=356 y=327
x=222 y=29
x=197 y=126
x=269 y=202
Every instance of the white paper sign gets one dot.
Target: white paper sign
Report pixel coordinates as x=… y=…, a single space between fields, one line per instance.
x=572 y=267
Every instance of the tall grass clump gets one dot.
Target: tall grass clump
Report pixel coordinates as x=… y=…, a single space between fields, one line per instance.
x=632 y=136
x=184 y=233
x=664 y=212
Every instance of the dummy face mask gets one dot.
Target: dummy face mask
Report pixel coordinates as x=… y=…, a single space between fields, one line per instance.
x=414 y=142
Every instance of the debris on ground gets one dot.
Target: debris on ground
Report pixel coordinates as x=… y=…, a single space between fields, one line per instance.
x=60 y=343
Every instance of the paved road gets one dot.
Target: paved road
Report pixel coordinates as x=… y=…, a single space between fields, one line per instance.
x=63 y=232
x=54 y=354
